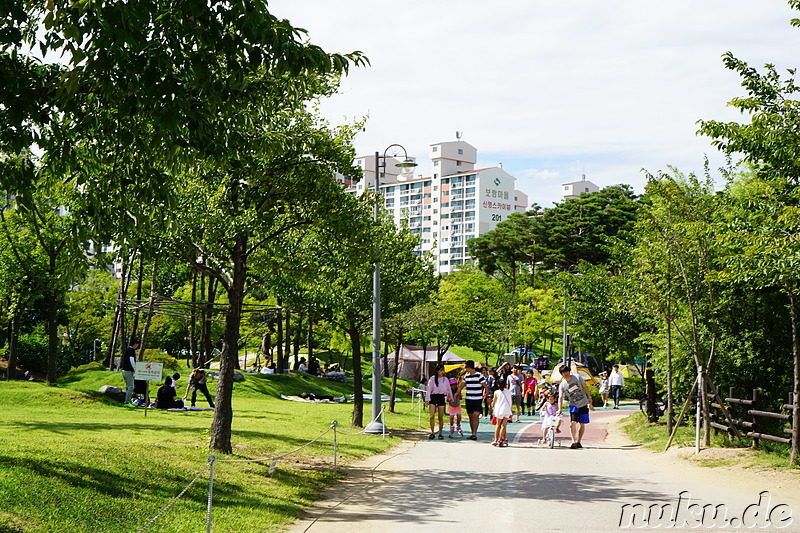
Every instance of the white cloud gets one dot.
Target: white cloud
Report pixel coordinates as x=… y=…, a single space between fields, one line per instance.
x=574 y=86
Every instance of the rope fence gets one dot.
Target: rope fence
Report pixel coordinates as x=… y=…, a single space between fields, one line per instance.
x=273 y=461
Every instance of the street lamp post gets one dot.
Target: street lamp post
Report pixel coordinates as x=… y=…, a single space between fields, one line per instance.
x=376 y=425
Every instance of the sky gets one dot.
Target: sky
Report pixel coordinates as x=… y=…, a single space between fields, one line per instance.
x=553 y=90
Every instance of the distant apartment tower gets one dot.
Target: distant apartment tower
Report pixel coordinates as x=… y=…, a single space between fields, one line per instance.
x=576 y=188
x=452 y=206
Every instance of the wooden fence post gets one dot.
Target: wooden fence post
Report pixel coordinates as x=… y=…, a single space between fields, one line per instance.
x=755 y=429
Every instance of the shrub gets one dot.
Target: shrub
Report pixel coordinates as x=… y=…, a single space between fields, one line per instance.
x=157 y=356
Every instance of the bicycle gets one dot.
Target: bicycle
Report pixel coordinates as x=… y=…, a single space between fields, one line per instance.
x=660 y=408
x=550 y=435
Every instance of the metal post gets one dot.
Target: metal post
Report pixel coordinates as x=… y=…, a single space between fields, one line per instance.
x=211 y=459
x=333 y=425
x=376 y=426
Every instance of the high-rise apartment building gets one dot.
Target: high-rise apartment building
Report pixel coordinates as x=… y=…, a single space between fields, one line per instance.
x=452 y=206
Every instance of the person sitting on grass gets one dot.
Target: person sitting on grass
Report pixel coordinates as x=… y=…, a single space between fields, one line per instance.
x=166 y=397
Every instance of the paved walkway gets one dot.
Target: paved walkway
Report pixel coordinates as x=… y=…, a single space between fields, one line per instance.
x=464 y=486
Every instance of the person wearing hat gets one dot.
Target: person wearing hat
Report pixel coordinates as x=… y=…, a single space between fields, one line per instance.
x=197 y=382
x=604 y=388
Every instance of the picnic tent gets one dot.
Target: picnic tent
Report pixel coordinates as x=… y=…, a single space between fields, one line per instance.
x=414 y=361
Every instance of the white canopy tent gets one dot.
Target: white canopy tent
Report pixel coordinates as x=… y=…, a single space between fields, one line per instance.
x=413 y=357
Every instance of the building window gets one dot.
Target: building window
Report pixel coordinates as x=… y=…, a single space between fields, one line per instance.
x=470 y=191
x=435 y=149
x=471 y=178
x=460 y=151
x=445 y=181
x=436 y=163
x=458 y=163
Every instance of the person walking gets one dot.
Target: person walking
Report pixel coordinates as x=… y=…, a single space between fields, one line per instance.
x=454 y=408
x=604 y=388
x=198 y=382
x=474 y=385
x=514 y=384
x=128 y=365
x=529 y=393
x=437 y=394
x=616 y=381
x=574 y=390
x=490 y=387
x=502 y=411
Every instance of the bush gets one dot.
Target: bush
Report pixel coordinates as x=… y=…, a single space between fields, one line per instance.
x=634 y=388
x=31 y=352
x=157 y=356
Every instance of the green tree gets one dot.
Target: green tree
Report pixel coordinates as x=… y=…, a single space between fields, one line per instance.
x=582 y=229
x=769 y=143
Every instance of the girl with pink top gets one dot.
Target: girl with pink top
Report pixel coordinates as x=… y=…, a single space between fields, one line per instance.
x=454 y=407
x=436 y=397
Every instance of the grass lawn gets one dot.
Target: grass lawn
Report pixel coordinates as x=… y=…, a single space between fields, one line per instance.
x=654 y=437
x=73 y=461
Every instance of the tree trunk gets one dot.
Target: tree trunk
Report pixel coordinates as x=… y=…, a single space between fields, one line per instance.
x=287 y=335
x=358 y=393
x=52 y=333
x=223 y=414
x=395 y=369
x=192 y=355
x=297 y=332
x=703 y=390
x=135 y=324
x=310 y=338
x=385 y=356
x=13 y=338
x=208 y=342
x=119 y=313
x=279 y=338
x=150 y=306
x=669 y=407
